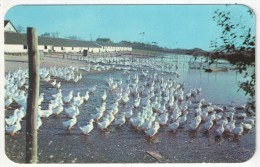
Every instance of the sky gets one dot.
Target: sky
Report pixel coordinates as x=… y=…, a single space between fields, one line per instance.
x=172 y=26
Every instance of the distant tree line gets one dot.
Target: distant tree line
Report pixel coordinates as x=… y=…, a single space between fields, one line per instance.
x=55 y=34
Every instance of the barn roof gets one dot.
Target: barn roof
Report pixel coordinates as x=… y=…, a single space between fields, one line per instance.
x=8 y=21
x=14 y=38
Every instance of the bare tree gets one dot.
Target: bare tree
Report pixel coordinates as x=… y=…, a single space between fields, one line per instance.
x=46 y=34
x=73 y=37
x=55 y=34
x=20 y=29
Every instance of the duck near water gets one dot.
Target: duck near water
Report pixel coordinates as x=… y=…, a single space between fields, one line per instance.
x=153 y=130
x=87 y=128
x=70 y=123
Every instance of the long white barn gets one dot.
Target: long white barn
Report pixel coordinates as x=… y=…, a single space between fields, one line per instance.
x=17 y=43
x=113 y=47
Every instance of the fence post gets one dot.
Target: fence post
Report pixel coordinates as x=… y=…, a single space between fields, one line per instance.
x=33 y=94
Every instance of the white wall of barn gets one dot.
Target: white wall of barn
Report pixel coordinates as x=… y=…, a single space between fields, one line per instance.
x=95 y=50
x=9 y=48
x=66 y=49
x=92 y=49
x=109 y=48
x=44 y=48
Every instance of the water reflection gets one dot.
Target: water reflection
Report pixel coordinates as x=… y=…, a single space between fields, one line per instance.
x=206 y=134
x=218 y=87
x=218 y=140
x=193 y=134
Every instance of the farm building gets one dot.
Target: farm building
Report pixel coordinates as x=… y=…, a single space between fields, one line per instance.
x=113 y=47
x=9 y=27
x=17 y=43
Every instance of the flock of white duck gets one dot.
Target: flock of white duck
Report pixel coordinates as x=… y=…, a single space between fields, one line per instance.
x=145 y=100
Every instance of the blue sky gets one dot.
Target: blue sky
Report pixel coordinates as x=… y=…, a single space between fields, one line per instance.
x=173 y=26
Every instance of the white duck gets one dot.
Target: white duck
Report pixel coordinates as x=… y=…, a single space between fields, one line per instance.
x=92 y=89
x=68 y=98
x=195 y=122
x=104 y=96
x=21 y=113
x=230 y=126
x=207 y=126
x=246 y=126
x=57 y=95
x=72 y=111
x=175 y=114
x=97 y=115
x=12 y=119
x=87 y=128
x=86 y=97
x=125 y=98
x=153 y=130
x=249 y=120
x=110 y=117
x=137 y=121
x=129 y=113
x=104 y=124
x=57 y=110
x=183 y=118
x=76 y=79
x=144 y=73
x=47 y=79
x=110 y=81
x=163 y=119
x=137 y=102
x=120 y=120
x=203 y=115
x=70 y=123
x=13 y=128
x=153 y=117
x=219 y=131
x=38 y=122
x=115 y=110
x=241 y=115
x=8 y=101
x=21 y=100
x=238 y=130
x=113 y=86
x=45 y=113
x=223 y=120
x=58 y=85
x=78 y=102
x=114 y=105
x=173 y=126
x=76 y=98
x=54 y=82
x=146 y=125
x=41 y=98
x=102 y=107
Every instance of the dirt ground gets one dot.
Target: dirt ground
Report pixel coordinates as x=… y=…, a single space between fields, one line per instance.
x=14 y=62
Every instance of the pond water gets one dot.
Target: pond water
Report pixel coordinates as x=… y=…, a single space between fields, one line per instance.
x=218 y=87
x=127 y=145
